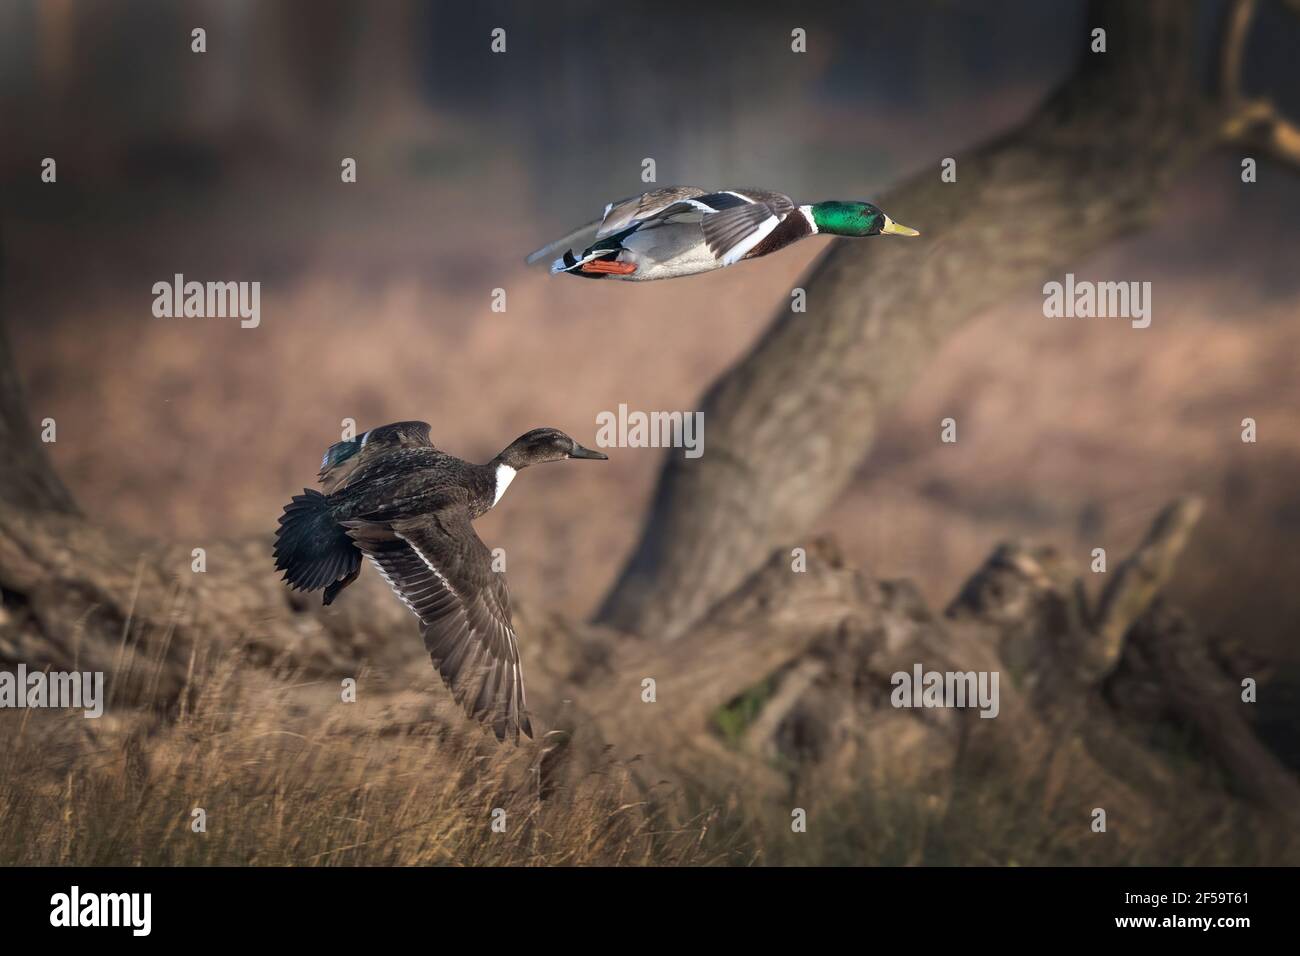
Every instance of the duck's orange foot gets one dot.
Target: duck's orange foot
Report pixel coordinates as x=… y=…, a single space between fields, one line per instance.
x=609 y=267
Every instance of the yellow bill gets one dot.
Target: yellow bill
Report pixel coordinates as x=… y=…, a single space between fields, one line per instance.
x=892 y=228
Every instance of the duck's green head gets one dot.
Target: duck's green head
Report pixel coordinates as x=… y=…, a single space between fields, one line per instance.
x=859 y=219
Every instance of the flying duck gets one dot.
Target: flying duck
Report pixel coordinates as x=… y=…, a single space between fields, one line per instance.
x=684 y=230
x=392 y=497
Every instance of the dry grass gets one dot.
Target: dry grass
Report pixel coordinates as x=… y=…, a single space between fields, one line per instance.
x=989 y=824
x=289 y=775
x=286 y=779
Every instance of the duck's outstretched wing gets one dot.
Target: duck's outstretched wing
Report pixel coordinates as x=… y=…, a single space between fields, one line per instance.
x=343 y=457
x=619 y=215
x=735 y=229
x=628 y=212
x=733 y=221
x=441 y=570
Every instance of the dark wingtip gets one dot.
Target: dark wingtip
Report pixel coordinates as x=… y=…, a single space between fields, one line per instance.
x=506 y=729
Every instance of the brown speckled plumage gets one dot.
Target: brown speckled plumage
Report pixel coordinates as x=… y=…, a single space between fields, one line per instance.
x=396 y=500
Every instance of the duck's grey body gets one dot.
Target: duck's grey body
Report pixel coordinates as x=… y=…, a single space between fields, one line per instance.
x=671 y=250
x=408 y=507
x=685 y=230
x=676 y=231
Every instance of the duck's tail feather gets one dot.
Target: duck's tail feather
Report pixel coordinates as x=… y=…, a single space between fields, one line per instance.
x=580 y=238
x=571 y=263
x=312 y=549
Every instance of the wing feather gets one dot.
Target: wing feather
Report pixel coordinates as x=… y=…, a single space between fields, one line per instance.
x=343 y=458
x=733 y=221
x=724 y=231
x=734 y=230
x=442 y=571
x=628 y=212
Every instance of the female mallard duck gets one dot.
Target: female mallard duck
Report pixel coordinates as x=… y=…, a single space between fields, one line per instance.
x=683 y=230
x=394 y=498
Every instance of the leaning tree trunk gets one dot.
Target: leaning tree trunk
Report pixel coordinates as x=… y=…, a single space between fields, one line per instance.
x=793 y=419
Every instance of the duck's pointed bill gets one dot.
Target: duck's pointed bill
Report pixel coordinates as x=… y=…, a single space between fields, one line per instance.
x=897 y=229
x=580 y=452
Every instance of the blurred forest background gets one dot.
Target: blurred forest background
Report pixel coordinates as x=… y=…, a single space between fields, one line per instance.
x=376 y=295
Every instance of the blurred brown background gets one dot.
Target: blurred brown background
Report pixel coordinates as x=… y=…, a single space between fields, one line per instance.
x=376 y=295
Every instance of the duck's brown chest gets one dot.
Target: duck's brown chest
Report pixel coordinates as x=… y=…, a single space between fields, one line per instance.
x=790 y=229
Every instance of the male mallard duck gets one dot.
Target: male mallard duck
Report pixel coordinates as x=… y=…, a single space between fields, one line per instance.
x=682 y=230
x=393 y=497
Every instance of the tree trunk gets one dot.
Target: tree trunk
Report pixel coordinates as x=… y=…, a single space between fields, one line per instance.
x=790 y=423
x=26 y=479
